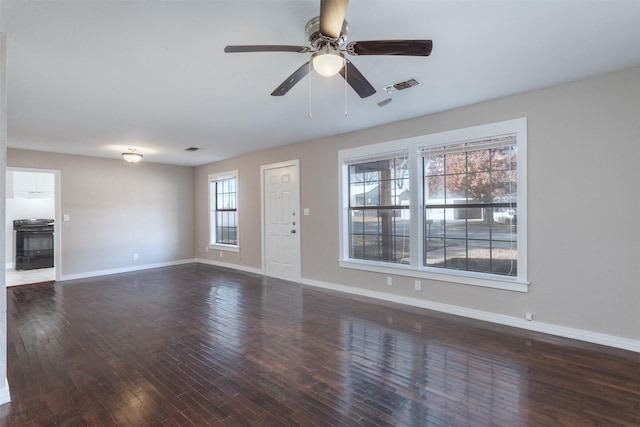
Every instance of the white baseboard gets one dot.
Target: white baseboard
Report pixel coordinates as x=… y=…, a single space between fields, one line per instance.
x=547 y=328
x=230 y=265
x=88 y=274
x=5 y=395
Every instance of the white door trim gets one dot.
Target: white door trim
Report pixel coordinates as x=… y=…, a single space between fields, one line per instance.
x=263 y=168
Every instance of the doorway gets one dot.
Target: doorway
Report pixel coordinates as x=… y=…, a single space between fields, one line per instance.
x=31 y=194
x=281 y=219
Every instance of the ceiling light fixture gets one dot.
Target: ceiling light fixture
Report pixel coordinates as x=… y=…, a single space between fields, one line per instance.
x=327 y=62
x=131 y=156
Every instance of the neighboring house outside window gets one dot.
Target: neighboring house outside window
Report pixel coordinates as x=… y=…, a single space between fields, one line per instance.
x=470 y=197
x=449 y=206
x=379 y=210
x=223 y=210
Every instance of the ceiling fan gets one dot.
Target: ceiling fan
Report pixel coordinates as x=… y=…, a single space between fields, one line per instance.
x=327 y=35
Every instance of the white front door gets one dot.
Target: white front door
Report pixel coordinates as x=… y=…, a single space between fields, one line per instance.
x=281 y=220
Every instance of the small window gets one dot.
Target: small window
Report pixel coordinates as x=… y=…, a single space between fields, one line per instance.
x=223 y=201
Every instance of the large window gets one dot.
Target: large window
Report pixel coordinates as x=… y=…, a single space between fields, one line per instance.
x=448 y=206
x=223 y=216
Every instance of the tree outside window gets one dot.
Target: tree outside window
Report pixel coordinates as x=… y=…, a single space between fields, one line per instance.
x=471 y=206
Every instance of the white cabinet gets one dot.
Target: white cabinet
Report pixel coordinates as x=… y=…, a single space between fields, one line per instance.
x=32 y=185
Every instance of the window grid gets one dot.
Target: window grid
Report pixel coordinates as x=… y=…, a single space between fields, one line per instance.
x=226 y=214
x=477 y=227
x=379 y=210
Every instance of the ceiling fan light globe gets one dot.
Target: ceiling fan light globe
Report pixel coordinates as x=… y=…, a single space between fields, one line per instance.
x=132 y=157
x=328 y=63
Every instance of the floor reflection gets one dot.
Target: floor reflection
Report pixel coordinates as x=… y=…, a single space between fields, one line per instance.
x=198 y=345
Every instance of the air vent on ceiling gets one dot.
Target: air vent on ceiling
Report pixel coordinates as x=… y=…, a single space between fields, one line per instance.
x=191 y=149
x=403 y=85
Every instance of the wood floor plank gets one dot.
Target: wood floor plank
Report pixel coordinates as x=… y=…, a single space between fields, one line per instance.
x=196 y=345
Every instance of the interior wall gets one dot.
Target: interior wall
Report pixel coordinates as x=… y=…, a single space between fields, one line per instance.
x=5 y=395
x=584 y=205
x=116 y=210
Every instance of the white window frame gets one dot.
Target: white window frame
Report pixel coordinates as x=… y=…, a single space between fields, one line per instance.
x=212 y=179
x=414 y=147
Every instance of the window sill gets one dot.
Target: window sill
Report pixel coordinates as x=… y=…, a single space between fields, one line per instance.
x=228 y=248
x=465 y=278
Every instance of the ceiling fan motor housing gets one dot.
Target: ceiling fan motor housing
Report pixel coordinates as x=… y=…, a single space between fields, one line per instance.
x=316 y=39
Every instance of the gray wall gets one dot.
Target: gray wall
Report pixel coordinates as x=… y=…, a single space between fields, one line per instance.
x=583 y=199
x=4 y=386
x=117 y=209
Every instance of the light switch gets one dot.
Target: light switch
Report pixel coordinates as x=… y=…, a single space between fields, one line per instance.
x=306 y=211
x=65 y=217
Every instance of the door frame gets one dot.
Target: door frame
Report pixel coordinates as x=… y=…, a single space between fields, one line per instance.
x=57 y=235
x=263 y=168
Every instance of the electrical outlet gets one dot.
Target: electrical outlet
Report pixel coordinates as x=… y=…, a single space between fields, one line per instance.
x=220 y=254
x=528 y=316
x=389 y=280
x=135 y=257
x=417 y=285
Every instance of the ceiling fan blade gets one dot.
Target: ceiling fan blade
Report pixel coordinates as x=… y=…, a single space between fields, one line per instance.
x=391 y=47
x=291 y=80
x=357 y=81
x=266 y=48
x=332 y=13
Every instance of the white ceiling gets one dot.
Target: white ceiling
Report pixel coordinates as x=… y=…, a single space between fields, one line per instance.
x=96 y=77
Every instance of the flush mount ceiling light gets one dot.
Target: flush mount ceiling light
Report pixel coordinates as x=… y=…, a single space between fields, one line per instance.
x=131 y=156
x=327 y=62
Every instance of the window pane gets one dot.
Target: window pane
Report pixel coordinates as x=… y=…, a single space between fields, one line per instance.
x=434 y=224
x=434 y=189
x=434 y=165
x=479 y=187
x=478 y=161
x=455 y=163
x=357 y=193
x=455 y=254
x=505 y=186
x=503 y=159
x=357 y=247
x=479 y=229
x=455 y=187
x=504 y=258
x=372 y=196
x=479 y=259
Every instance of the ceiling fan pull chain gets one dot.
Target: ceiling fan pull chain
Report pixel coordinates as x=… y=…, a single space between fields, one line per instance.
x=346 y=108
x=310 y=115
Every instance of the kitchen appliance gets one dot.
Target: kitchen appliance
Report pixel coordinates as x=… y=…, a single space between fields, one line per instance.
x=34 y=243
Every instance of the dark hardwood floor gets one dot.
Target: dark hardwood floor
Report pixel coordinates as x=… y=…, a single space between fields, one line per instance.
x=199 y=345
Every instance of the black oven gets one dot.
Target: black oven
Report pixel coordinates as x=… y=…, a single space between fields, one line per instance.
x=34 y=243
